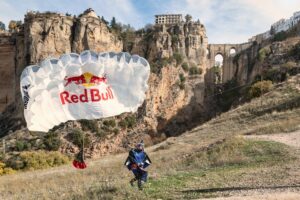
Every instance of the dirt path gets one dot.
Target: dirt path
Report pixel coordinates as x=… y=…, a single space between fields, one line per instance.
x=292 y=139
x=267 y=196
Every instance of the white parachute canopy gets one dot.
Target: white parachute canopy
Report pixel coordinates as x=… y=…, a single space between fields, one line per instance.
x=85 y=86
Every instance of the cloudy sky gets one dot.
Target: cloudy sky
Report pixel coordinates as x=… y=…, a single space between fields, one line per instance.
x=230 y=21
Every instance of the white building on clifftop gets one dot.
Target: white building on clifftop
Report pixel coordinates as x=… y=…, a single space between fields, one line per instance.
x=168 y=19
x=285 y=24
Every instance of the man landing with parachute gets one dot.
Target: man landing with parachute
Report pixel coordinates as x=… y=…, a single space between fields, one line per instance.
x=88 y=86
x=137 y=161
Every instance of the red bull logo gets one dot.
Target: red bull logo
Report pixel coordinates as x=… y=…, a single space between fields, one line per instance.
x=87 y=79
x=89 y=94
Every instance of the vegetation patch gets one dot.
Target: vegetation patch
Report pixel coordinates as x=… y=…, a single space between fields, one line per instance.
x=259 y=88
x=91 y=125
x=31 y=160
x=79 y=138
x=51 y=141
x=5 y=170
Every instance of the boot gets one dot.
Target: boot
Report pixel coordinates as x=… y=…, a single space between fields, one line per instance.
x=132 y=181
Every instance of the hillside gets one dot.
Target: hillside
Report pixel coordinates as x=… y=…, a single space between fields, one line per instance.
x=234 y=154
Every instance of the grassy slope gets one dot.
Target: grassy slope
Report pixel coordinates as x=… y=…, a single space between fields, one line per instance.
x=211 y=160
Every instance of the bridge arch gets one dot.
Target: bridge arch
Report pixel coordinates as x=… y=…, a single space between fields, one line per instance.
x=228 y=51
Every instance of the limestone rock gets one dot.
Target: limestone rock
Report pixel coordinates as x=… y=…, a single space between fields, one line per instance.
x=47 y=36
x=91 y=33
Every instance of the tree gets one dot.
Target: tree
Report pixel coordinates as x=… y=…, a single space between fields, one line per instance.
x=14 y=25
x=148 y=27
x=2 y=26
x=105 y=21
x=188 y=18
x=113 y=23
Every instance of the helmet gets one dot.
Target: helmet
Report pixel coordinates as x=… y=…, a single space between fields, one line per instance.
x=140 y=145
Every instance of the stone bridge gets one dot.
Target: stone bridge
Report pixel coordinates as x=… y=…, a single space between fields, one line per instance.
x=227 y=51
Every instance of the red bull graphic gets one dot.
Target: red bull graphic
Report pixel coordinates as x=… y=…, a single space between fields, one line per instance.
x=89 y=94
x=86 y=79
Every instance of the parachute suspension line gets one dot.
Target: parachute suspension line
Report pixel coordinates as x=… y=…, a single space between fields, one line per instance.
x=82 y=148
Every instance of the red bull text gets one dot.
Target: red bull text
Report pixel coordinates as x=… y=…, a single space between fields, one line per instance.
x=89 y=94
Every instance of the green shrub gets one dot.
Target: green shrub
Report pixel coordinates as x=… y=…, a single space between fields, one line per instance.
x=154 y=67
x=185 y=66
x=195 y=70
x=91 y=125
x=116 y=131
x=295 y=51
x=51 y=141
x=101 y=133
x=182 y=78
x=123 y=123
x=262 y=53
x=282 y=35
x=22 y=145
x=128 y=122
x=259 y=88
x=275 y=74
x=78 y=137
x=131 y=121
x=175 y=39
x=178 y=57
x=42 y=159
x=110 y=123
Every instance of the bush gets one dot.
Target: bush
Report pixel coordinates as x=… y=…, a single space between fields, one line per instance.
x=175 y=39
x=178 y=57
x=282 y=35
x=123 y=124
x=78 y=137
x=5 y=170
x=22 y=145
x=116 y=131
x=259 y=88
x=110 y=123
x=182 y=78
x=128 y=122
x=195 y=70
x=131 y=121
x=185 y=67
x=42 y=159
x=262 y=53
x=275 y=74
x=52 y=141
x=91 y=125
x=295 y=51
x=102 y=134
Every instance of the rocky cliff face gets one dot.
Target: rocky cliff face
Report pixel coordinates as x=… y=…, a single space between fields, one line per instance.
x=91 y=33
x=47 y=35
x=188 y=39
